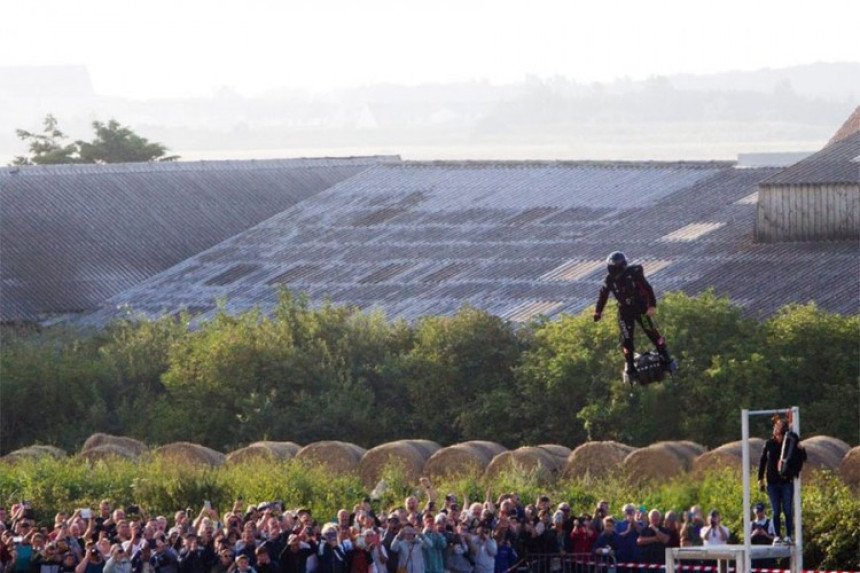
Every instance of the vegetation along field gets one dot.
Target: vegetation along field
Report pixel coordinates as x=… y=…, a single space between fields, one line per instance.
x=332 y=373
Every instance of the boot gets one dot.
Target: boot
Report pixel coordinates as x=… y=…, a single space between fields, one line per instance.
x=631 y=375
x=669 y=363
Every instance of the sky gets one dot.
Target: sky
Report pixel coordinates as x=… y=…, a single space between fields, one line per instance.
x=185 y=48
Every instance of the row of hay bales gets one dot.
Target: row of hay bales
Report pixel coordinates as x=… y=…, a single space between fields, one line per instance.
x=659 y=461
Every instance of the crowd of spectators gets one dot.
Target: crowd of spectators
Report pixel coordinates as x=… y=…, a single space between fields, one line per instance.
x=449 y=535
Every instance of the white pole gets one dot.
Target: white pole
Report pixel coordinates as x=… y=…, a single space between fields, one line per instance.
x=797 y=554
x=745 y=450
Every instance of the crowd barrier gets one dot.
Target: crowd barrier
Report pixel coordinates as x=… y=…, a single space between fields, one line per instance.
x=591 y=563
x=566 y=563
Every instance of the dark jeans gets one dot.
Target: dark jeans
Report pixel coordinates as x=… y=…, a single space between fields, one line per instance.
x=781 y=495
x=627 y=320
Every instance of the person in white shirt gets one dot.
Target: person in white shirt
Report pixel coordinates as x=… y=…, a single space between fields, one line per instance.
x=715 y=533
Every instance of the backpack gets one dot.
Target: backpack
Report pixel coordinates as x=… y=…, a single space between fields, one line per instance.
x=792 y=458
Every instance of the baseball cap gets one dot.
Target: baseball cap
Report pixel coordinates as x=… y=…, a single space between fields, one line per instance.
x=759 y=506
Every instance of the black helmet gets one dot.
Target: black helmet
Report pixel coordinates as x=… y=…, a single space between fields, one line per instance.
x=616 y=262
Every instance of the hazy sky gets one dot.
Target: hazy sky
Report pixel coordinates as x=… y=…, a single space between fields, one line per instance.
x=192 y=47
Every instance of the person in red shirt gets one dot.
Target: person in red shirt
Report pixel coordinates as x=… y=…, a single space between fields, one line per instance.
x=583 y=535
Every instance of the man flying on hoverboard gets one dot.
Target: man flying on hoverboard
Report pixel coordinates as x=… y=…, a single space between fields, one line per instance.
x=636 y=303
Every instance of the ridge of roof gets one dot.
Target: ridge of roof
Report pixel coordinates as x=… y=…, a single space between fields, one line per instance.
x=490 y=163
x=189 y=166
x=850 y=127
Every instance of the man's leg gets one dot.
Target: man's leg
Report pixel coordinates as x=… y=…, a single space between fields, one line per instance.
x=655 y=337
x=775 y=496
x=787 y=494
x=625 y=324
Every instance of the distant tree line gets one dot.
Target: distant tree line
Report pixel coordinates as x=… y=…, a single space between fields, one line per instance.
x=306 y=373
x=113 y=143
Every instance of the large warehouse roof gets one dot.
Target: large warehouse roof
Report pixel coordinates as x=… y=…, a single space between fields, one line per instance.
x=516 y=238
x=71 y=236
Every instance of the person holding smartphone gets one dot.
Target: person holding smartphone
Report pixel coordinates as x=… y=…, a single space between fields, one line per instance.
x=715 y=533
x=93 y=561
x=23 y=546
x=691 y=528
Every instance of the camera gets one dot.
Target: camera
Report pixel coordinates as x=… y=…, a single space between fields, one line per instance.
x=132 y=509
x=271 y=505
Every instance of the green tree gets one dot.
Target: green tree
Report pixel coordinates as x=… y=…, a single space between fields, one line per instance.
x=568 y=366
x=48 y=147
x=460 y=378
x=815 y=359
x=53 y=392
x=115 y=143
x=135 y=354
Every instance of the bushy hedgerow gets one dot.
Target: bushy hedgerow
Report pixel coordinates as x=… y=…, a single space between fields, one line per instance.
x=305 y=373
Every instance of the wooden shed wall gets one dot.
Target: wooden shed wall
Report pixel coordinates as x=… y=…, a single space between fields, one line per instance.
x=807 y=213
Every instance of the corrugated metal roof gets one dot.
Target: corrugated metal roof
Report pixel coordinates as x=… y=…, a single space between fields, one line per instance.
x=71 y=236
x=692 y=232
x=850 y=127
x=529 y=310
x=838 y=163
x=751 y=199
x=514 y=238
x=573 y=270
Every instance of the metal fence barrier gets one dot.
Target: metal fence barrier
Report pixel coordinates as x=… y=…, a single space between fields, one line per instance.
x=566 y=563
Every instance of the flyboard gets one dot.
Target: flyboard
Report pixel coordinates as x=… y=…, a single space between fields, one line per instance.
x=650 y=369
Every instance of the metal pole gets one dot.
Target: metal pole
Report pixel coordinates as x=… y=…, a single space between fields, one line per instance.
x=745 y=450
x=670 y=560
x=797 y=554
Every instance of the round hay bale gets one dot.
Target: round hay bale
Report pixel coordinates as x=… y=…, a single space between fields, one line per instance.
x=136 y=447
x=107 y=452
x=596 y=459
x=338 y=457
x=35 y=452
x=727 y=456
x=659 y=461
x=269 y=451
x=528 y=458
x=849 y=469
x=685 y=449
x=461 y=459
x=557 y=450
x=425 y=447
x=490 y=449
x=835 y=446
x=824 y=453
x=692 y=447
x=403 y=453
x=189 y=453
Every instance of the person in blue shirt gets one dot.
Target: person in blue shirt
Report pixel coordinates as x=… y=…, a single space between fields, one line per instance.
x=608 y=541
x=628 y=533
